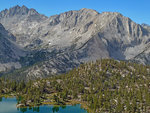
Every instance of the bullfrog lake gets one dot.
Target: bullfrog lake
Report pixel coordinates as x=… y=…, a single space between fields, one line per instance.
x=8 y=105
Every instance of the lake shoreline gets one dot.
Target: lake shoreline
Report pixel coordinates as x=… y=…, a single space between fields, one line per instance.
x=70 y=102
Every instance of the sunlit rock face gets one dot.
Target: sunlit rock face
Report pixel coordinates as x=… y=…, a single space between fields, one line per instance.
x=73 y=37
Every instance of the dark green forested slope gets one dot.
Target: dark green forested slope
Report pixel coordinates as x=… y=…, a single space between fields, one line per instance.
x=104 y=86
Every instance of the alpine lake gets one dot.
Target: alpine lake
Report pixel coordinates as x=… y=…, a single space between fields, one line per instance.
x=8 y=105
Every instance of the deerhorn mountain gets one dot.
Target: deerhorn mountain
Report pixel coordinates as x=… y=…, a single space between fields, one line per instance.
x=66 y=40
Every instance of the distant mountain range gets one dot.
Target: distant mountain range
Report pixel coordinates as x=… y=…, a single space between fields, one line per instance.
x=43 y=46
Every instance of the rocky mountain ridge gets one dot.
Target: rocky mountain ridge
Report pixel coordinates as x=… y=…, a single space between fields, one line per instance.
x=80 y=36
x=20 y=21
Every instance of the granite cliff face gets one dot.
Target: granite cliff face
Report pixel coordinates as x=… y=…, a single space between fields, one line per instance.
x=21 y=21
x=74 y=37
x=10 y=52
x=143 y=57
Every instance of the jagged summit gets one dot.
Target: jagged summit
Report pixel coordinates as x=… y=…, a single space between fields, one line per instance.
x=17 y=10
x=73 y=37
x=20 y=20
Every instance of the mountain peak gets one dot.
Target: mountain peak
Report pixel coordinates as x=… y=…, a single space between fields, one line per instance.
x=24 y=6
x=15 y=7
x=18 y=7
x=17 y=10
x=89 y=10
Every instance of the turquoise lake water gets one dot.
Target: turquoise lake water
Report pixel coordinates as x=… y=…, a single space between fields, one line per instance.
x=9 y=106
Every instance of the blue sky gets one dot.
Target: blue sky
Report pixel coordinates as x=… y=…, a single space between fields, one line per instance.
x=137 y=10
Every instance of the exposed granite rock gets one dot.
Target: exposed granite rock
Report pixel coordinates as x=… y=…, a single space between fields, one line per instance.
x=77 y=36
x=10 y=52
x=143 y=57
